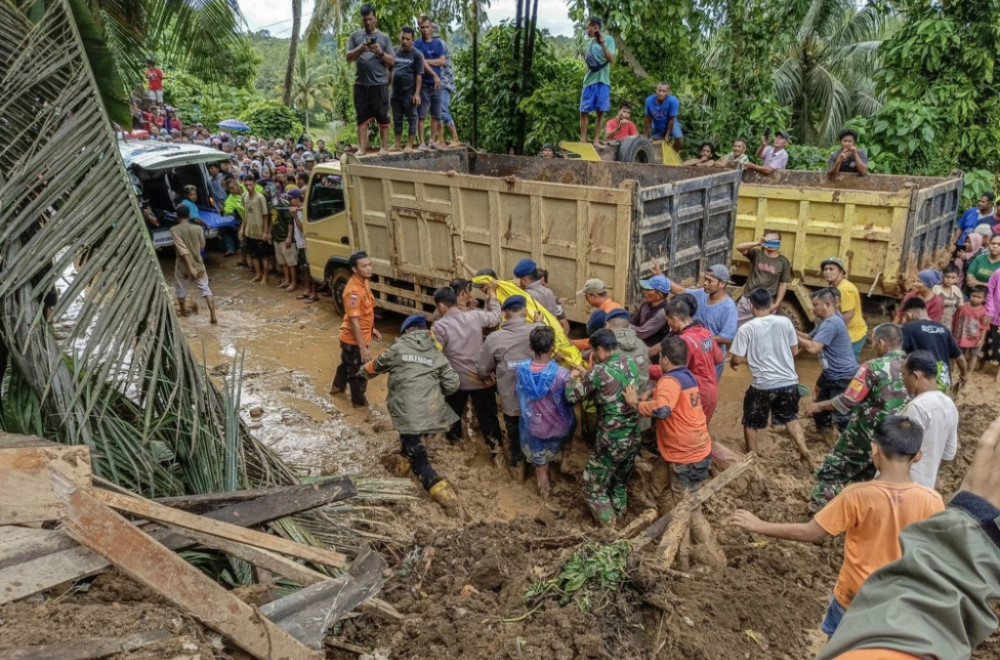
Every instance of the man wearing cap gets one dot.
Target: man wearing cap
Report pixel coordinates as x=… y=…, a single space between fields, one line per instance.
x=526 y=277
x=460 y=334
x=772 y=158
x=769 y=269
x=648 y=321
x=357 y=330
x=498 y=359
x=835 y=274
x=420 y=378
x=595 y=292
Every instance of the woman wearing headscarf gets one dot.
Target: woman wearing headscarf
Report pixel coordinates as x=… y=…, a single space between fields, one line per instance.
x=923 y=287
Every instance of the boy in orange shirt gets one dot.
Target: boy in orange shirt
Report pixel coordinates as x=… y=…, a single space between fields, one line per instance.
x=681 y=430
x=871 y=513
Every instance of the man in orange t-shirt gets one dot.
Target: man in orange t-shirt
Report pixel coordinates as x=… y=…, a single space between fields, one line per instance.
x=871 y=513
x=356 y=331
x=595 y=292
x=681 y=429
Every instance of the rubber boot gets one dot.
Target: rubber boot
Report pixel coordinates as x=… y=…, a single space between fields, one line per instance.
x=443 y=494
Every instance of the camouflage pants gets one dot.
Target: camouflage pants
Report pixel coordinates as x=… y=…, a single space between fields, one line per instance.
x=608 y=472
x=848 y=462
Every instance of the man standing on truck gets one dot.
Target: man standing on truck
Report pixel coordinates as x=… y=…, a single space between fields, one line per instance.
x=772 y=158
x=407 y=78
x=769 y=270
x=596 y=94
x=460 y=334
x=434 y=52
x=371 y=51
x=356 y=331
x=849 y=159
x=835 y=274
x=661 y=111
x=974 y=217
x=831 y=341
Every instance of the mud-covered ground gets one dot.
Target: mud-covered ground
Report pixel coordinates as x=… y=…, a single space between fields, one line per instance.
x=462 y=578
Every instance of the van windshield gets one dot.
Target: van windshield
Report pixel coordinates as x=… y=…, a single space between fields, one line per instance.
x=326 y=197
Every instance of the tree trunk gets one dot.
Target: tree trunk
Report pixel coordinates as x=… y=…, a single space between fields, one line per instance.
x=293 y=47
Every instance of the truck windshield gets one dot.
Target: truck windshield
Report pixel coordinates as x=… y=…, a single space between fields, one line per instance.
x=326 y=197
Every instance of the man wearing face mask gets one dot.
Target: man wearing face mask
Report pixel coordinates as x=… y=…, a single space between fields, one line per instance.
x=769 y=270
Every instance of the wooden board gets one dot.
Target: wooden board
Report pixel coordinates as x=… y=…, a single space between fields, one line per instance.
x=301 y=496
x=25 y=489
x=88 y=648
x=137 y=554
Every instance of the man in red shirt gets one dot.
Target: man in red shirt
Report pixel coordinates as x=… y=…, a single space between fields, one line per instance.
x=619 y=128
x=154 y=77
x=702 y=355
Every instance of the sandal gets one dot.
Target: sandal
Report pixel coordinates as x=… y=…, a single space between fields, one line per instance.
x=301 y=296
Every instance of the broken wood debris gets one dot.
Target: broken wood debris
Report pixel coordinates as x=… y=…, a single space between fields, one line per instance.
x=90 y=648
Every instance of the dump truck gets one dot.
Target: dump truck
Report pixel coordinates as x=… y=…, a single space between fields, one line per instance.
x=414 y=214
x=884 y=227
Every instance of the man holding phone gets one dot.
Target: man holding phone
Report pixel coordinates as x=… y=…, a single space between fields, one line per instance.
x=371 y=51
x=773 y=158
x=596 y=95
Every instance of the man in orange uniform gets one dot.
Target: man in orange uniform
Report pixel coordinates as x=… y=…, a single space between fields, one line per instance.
x=681 y=429
x=595 y=292
x=356 y=331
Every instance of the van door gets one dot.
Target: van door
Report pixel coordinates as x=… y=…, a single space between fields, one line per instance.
x=325 y=226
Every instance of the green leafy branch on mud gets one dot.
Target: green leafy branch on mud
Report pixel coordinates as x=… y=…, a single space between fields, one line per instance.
x=593 y=568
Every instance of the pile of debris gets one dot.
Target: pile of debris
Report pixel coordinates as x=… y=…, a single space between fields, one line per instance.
x=59 y=523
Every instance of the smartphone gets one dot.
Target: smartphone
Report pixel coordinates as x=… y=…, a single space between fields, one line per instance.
x=370 y=41
x=767 y=133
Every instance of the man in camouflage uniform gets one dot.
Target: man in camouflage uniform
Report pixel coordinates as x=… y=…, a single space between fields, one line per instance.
x=876 y=391
x=606 y=476
x=619 y=321
x=420 y=377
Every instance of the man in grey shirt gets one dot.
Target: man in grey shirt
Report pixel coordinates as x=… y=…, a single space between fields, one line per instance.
x=371 y=51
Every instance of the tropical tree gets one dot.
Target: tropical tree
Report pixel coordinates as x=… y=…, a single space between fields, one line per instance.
x=311 y=85
x=293 y=48
x=824 y=69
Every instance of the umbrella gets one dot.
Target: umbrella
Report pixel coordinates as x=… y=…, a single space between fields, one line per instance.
x=233 y=125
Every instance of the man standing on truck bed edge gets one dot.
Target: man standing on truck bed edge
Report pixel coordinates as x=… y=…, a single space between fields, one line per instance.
x=371 y=51
x=356 y=331
x=769 y=270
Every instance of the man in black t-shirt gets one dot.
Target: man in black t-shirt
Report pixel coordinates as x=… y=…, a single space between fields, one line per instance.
x=407 y=76
x=922 y=334
x=372 y=53
x=849 y=159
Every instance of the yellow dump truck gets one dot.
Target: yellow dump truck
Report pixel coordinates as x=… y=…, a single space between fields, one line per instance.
x=414 y=214
x=884 y=227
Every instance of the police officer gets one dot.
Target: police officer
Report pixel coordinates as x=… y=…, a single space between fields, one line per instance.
x=420 y=378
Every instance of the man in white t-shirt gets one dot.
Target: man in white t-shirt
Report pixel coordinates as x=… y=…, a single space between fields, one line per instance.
x=768 y=345
x=934 y=411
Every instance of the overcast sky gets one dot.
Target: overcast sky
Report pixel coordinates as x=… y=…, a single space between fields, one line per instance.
x=276 y=15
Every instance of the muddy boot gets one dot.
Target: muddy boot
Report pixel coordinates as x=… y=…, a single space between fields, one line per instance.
x=444 y=495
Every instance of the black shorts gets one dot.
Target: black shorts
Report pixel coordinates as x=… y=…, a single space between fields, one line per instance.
x=780 y=406
x=259 y=249
x=372 y=102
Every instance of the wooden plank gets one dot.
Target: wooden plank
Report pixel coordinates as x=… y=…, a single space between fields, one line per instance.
x=138 y=555
x=54 y=566
x=88 y=648
x=189 y=521
x=25 y=490
x=307 y=614
x=279 y=505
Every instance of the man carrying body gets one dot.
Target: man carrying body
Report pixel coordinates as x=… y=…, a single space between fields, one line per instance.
x=769 y=269
x=499 y=357
x=189 y=239
x=595 y=293
x=526 y=277
x=420 y=378
x=371 y=51
x=922 y=334
x=831 y=342
x=648 y=321
x=773 y=158
x=596 y=94
x=460 y=334
x=357 y=330
x=703 y=354
x=877 y=390
x=934 y=411
x=835 y=275
x=767 y=344
x=661 y=111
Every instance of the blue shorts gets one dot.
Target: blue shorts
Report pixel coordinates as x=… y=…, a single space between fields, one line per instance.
x=595 y=98
x=446 y=107
x=675 y=133
x=834 y=614
x=430 y=100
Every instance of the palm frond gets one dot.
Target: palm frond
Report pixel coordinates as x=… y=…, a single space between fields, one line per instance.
x=326 y=15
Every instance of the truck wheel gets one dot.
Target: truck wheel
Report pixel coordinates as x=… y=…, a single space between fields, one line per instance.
x=337 y=281
x=635 y=149
x=791 y=310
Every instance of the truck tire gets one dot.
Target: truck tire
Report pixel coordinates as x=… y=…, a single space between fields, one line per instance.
x=635 y=149
x=337 y=281
x=791 y=310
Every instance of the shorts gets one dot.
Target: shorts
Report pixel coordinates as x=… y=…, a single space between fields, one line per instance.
x=675 y=132
x=156 y=96
x=371 y=102
x=182 y=279
x=690 y=475
x=284 y=254
x=595 y=98
x=258 y=248
x=446 y=119
x=780 y=405
x=430 y=101
x=402 y=109
x=834 y=615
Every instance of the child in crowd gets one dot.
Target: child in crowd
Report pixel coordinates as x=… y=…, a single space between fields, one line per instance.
x=971 y=325
x=871 y=513
x=923 y=288
x=950 y=293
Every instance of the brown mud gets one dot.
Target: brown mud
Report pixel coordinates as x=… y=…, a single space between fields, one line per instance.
x=461 y=578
